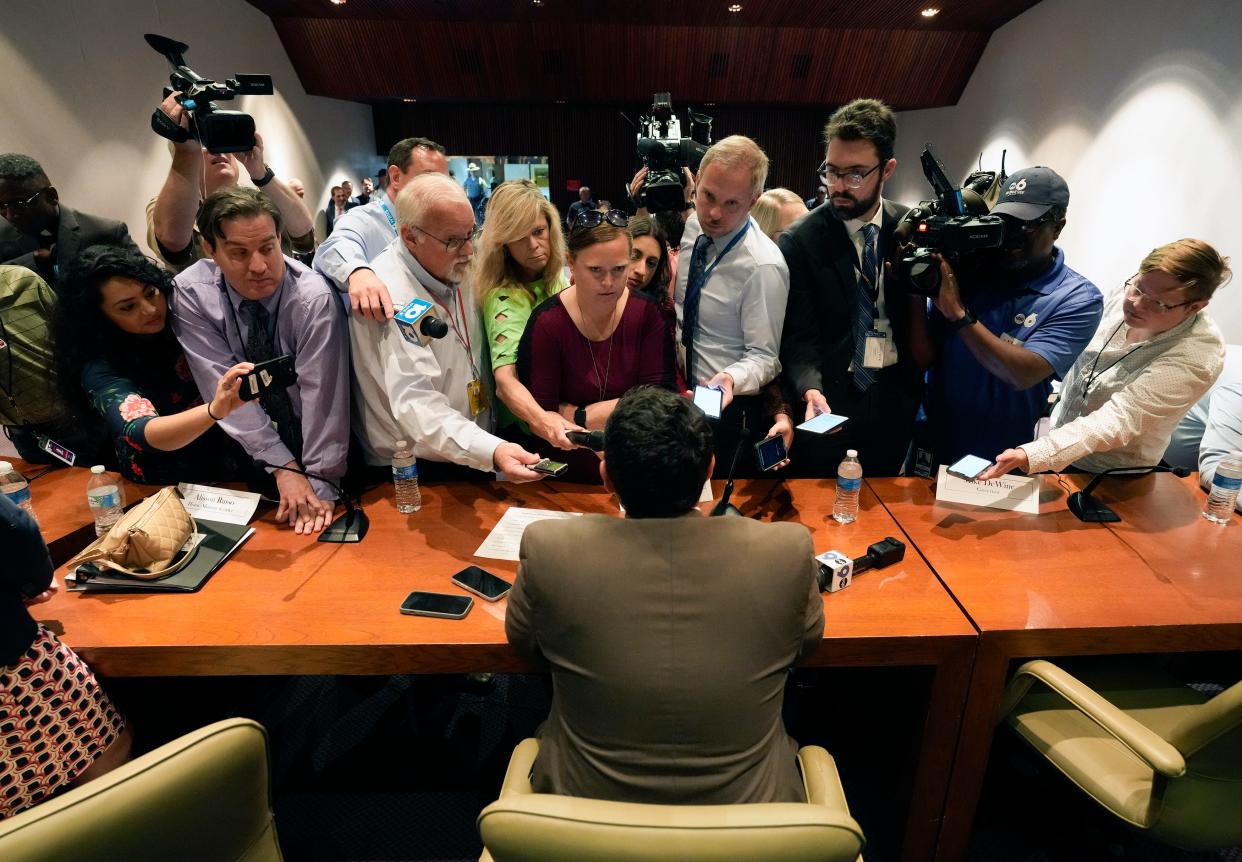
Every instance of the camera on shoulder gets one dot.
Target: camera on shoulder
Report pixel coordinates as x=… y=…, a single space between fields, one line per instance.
x=955 y=225
x=665 y=152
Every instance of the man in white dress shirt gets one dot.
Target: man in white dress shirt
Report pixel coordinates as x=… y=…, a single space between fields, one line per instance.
x=732 y=286
x=363 y=232
x=435 y=393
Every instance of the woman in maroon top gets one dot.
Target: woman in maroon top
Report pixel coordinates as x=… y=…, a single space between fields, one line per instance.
x=587 y=346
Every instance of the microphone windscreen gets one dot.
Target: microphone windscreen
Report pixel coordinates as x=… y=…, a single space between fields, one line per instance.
x=433 y=327
x=1180 y=472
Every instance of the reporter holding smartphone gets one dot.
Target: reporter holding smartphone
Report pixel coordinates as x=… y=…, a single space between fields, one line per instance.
x=116 y=351
x=588 y=345
x=1152 y=358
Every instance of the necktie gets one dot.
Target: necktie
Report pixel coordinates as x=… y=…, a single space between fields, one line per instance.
x=275 y=399
x=690 y=305
x=863 y=320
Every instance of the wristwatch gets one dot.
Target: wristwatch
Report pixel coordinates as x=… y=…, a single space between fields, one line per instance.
x=268 y=176
x=962 y=322
x=580 y=417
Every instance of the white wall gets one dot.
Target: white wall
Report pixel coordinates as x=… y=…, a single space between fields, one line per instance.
x=78 y=85
x=1137 y=103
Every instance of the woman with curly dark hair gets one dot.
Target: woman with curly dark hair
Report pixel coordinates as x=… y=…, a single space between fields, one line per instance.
x=116 y=351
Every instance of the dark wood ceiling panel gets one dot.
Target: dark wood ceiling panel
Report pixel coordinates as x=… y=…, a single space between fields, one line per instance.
x=980 y=15
x=505 y=62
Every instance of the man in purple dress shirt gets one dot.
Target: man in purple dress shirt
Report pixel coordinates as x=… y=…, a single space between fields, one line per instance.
x=249 y=302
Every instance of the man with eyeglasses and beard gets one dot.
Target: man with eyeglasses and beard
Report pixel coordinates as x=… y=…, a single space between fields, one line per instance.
x=998 y=341
x=38 y=231
x=846 y=346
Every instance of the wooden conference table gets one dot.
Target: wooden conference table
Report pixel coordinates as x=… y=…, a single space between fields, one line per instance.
x=287 y=604
x=1161 y=580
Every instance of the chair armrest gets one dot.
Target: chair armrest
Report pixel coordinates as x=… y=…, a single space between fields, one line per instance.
x=1145 y=743
x=517 y=776
x=819 y=776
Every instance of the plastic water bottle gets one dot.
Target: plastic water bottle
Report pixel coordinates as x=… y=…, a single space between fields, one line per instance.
x=405 y=477
x=14 y=486
x=105 y=497
x=1225 y=486
x=849 y=483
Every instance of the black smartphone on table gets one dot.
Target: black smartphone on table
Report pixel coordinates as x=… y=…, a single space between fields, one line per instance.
x=482 y=583
x=445 y=605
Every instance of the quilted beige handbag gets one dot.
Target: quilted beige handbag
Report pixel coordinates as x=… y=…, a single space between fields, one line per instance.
x=146 y=540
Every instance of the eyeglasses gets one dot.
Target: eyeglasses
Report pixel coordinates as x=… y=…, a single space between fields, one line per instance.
x=594 y=218
x=454 y=244
x=853 y=178
x=1137 y=292
x=22 y=205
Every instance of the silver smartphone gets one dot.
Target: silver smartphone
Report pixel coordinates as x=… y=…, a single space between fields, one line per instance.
x=482 y=583
x=969 y=467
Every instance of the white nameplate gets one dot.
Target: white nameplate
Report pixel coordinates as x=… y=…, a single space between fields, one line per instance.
x=218 y=504
x=1013 y=493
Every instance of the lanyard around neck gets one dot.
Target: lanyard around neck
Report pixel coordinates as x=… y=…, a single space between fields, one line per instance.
x=728 y=248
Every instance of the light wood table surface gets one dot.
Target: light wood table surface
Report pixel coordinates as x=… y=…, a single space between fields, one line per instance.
x=286 y=604
x=1162 y=580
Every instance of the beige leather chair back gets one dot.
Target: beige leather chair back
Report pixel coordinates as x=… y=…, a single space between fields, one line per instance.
x=523 y=826
x=1210 y=723
x=201 y=798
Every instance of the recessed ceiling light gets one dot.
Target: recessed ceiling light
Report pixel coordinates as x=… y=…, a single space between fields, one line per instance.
x=930 y=12
x=536 y=2
x=337 y=2
x=736 y=7
x=407 y=101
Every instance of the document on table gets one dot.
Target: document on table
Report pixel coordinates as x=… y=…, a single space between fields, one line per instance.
x=1014 y=493
x=218 y=504
x=503 y=541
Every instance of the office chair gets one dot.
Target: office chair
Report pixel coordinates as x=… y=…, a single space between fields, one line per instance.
x=201 y=798
x=1154 y=752
x=524 y=826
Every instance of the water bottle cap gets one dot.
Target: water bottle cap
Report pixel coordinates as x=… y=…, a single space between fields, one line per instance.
x=6 y=467
x=403 y=444
x=97 y=469
x=851 y=453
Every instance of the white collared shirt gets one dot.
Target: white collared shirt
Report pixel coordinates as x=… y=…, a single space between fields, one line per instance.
x=741 y=308
x=1120 y=402
x=357 y=238
x=414 y=392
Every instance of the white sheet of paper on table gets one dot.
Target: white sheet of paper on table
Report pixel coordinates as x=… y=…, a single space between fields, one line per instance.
x=503 y=542
x=218 y=504
x=1013 y=493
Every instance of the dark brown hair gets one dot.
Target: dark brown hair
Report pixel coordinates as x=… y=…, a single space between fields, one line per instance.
x=234 y=202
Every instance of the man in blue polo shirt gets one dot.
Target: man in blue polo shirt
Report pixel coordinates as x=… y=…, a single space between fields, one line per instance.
x=1004 y=336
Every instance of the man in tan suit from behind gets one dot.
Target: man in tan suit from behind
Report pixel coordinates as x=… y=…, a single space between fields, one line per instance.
x=668 y=634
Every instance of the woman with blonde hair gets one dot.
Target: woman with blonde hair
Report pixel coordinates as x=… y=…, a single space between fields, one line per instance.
x=776 y=210
x=519 y=265
x=1153 y=356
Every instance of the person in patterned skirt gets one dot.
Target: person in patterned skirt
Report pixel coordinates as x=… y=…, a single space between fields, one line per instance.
x=57 y=725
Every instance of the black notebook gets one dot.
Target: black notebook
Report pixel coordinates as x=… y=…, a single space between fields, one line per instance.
x=219 y=542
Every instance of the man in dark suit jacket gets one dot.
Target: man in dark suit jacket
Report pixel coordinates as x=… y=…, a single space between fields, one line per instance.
x=337 y=207
x=668 y=634
x=847 y=345
x=40 y=233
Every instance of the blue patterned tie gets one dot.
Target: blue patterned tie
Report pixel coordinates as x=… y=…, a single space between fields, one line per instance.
x=690 y=305
x=864 y=377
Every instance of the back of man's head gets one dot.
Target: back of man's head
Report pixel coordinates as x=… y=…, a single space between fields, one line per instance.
x=864 y=120
x=657 y=452
x=18 y=168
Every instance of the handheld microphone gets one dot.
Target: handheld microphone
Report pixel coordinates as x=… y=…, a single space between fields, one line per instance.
x=347 y=529
x=593 y=440
x=836 y=570
x=417 y=324
x=1091 y=510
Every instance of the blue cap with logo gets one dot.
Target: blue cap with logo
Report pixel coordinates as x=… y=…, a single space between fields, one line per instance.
x=1031 y=192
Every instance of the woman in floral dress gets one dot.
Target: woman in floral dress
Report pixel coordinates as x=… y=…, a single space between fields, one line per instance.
x=115 y=347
